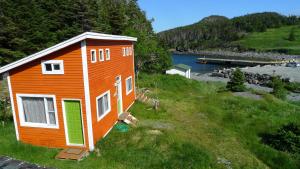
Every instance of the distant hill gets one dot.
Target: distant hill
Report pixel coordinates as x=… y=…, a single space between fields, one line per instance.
x=273 y=40
x=219 y=32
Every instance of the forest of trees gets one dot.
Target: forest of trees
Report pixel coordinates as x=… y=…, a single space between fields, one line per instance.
x=28 y=26
x=218 y=31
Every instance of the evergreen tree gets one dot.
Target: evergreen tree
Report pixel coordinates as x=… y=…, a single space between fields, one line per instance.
x=30 y=26
x=237 y=81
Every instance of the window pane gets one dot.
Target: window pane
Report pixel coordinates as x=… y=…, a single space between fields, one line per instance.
x=52 y=117
x=50 y=104
x=105 y=104
x=107 y=54
x=100 y=107
x=93 y=56
x=34 y=110
x=101 y=55
x=56 y=67
x=48 y=67
x=129 y=84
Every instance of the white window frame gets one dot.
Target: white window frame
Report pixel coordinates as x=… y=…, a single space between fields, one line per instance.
x=124 y=51
x=53 y=62
x=23 y=123
x=130 y=51
x=107 y=53
x=128 y=92
x=93 y=50
x=127 y=51
x=101 y=59
x=109 y=105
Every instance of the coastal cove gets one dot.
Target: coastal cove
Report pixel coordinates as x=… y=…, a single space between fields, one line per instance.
x=191 y=60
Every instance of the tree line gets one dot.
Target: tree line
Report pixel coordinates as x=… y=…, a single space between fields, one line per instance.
x=218 y=31
x=28 y=26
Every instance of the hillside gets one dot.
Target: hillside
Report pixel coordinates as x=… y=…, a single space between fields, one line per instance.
x=215 y=32
x=272 y=40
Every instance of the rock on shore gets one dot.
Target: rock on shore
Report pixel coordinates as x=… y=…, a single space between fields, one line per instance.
x=262 y=75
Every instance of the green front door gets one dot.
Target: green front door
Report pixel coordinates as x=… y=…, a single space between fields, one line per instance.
x=74 y=122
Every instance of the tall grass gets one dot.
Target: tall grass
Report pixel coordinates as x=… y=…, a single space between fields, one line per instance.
x=196 y=125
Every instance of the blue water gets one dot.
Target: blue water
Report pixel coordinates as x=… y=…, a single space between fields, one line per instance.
x=191 y=60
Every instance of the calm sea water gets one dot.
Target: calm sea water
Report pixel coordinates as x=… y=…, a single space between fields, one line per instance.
x=196 y=67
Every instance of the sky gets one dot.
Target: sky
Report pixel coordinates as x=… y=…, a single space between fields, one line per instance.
x=169 y=14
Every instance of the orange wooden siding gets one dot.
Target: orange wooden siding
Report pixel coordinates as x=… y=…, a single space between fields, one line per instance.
x=102 y=77
x=28 y=79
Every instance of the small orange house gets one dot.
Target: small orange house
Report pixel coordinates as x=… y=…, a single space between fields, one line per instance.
x=70 y=95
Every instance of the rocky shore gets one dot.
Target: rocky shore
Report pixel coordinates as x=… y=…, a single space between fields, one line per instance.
x=258 y=77
x=261 y=75
x=259 y=56
x=251 y=78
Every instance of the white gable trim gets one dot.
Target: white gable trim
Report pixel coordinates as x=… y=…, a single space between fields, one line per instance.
x=13 y=106
x=76 y=39
x=87 y=95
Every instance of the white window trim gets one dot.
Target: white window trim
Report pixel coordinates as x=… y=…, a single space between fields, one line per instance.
x=93 y=61
x=124 y=51
x=128 y=92
x=101 y=60
x=130 y=51
x=37 y=125
x=53 y=72
x=109 y=105
x=107 y=50
x=127 y=51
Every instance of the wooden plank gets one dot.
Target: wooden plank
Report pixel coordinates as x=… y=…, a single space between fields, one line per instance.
x=72 y=154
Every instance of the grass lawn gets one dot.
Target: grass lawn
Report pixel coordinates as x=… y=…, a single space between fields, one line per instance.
x=273 y=39
x=195 y=127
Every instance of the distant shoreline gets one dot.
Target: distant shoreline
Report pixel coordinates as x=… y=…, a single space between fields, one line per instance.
x=255 y=56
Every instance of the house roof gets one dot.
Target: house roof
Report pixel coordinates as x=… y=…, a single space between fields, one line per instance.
x=182 y=66
x=83 y=36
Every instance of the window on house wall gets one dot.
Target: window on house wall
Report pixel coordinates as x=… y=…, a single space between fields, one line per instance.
x=37 y=111
x=130 y=51
x=93 y=56
x=53 y=67
x=101 y=55
x=107 y=53
x=124 y=51
x=129 y=85
x=127 y=51
x=103 y=105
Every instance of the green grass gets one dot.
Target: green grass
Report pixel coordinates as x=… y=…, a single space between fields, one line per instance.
x=272 y=39
x=198 y=126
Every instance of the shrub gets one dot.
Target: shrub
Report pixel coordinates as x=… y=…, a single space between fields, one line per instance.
x=237 y=81
x=292 y=36
x=278 y=86
x=286 y=138
x=293 y=87
x=5 y=114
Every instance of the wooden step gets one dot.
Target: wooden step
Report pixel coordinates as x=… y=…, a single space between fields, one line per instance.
x=72 y=154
